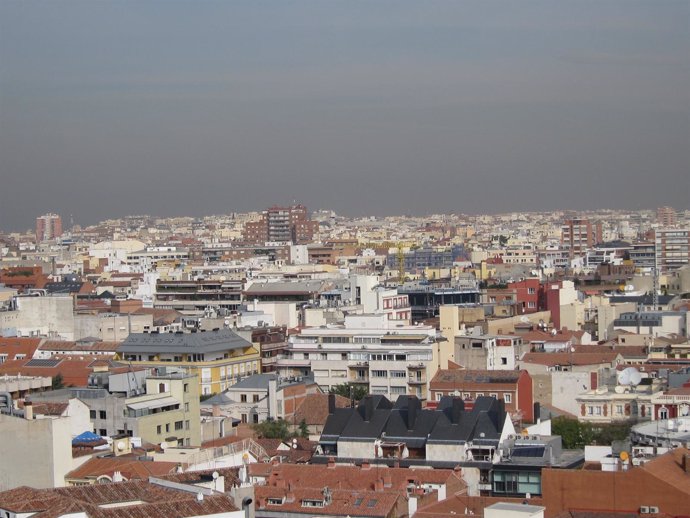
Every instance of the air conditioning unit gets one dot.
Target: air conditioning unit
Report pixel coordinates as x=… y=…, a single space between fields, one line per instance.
x=653 y=509
x=644 y=509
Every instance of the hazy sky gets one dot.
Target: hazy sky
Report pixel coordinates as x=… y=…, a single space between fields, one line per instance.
x=364 y=107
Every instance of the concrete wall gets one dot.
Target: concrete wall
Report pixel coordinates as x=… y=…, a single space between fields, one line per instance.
x=356 y=450
x=46 y=316
x=36 y=453
x=507 y=325
x=445 y=452
x=565 y=386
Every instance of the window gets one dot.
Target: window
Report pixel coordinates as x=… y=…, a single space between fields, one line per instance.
x=379 y=374
x=102 y=414
x=103 y=432
x=186 y=387
x=530 y=291
x=438 y=396
x=186 y=424
x=504 y=361
x=243 y=418
x=531 y=304
x=508 y=397
x=255 y=418
x=243 y=398
x=398 y=374
x=186 y=407
x=167 y=427
x=255 y=398
x=92 y=414
x=494 y=395
x=159 y=429
x=619 y=409
x=179 y=425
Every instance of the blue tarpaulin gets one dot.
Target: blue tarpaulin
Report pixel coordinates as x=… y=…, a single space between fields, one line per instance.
x=86 y=437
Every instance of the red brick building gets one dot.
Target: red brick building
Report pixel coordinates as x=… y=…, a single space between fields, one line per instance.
x=526 y=294
x=282 y=224
x=514 y=387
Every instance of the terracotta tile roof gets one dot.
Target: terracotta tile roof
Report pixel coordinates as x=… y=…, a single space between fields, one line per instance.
x=157 y=502
x=669 y=469
x=14 y=346
x=68 y=345
x=353 y=477
x=448 y=379
x=54 y=408
x=74 y=369
x=343 y=502
x=314 y=408
x=231 y=476
x=131 y=468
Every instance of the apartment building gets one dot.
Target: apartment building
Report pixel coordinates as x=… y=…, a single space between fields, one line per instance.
x=385 y=357
x=48 y=226
x=282 y=225
x=671 y=248
x=579 y=234
x=219 y=357
x=192 y=297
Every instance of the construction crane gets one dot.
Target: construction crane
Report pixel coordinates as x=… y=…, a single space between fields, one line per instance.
x=401 y=264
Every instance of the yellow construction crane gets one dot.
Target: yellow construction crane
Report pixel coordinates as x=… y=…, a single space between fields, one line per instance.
x=401 y=264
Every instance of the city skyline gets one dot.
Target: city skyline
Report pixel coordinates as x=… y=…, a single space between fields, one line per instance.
x=117 y=107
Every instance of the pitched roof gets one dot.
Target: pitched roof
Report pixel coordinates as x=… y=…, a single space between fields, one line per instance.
x=131 y=468
x=458 y=378
x=314 y=408
x=156 y=501
x=203 y=342
x=13 y=346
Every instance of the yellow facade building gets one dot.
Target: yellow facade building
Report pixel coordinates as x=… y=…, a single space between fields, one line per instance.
x=219 y=358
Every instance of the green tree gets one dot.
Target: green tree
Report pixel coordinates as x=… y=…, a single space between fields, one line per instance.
x=350 y=390
x=303 y=429
x=58 y=382
x=276 y=429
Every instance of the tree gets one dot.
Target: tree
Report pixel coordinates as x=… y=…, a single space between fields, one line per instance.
x=276 y=429
x=350 y=391
x=303 y=430
x=58 y=382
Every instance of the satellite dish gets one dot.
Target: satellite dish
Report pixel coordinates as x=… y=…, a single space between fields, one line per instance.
x=630 y=376
x=215 y=475
x=624 y=456
x=164 y=446
x=524 y=319
x=121 y=445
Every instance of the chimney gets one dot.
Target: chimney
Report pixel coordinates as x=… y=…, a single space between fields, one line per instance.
x=378 y=485
x=366 y=466
x=537 y=412
x=215 y=412
x=28 y=410
x=331 y=462
x=412 y=404
x=457 y=409
x=368 y=408
x=387 y=480
x=331 y=404
x=686 y=463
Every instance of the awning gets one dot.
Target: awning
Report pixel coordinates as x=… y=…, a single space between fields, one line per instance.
x=153 y=403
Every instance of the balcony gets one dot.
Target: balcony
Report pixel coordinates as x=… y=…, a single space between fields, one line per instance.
x=360 y=379
x=357 y=365
x=413 y=380
x=416 y=366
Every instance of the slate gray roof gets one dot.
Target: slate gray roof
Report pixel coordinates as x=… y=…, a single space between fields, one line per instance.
x=202 y=342
x=427 y=426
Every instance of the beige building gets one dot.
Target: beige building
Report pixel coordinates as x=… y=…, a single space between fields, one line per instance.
x=34 y=452
x=219 y=358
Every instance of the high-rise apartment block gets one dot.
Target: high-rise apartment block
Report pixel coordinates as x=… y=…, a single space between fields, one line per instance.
x=580 y=234
x=48 y=226
x=671 y=248
x=666 y=216
x=283 y=225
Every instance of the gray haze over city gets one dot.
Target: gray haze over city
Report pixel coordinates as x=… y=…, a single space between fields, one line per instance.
x=387 y=107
